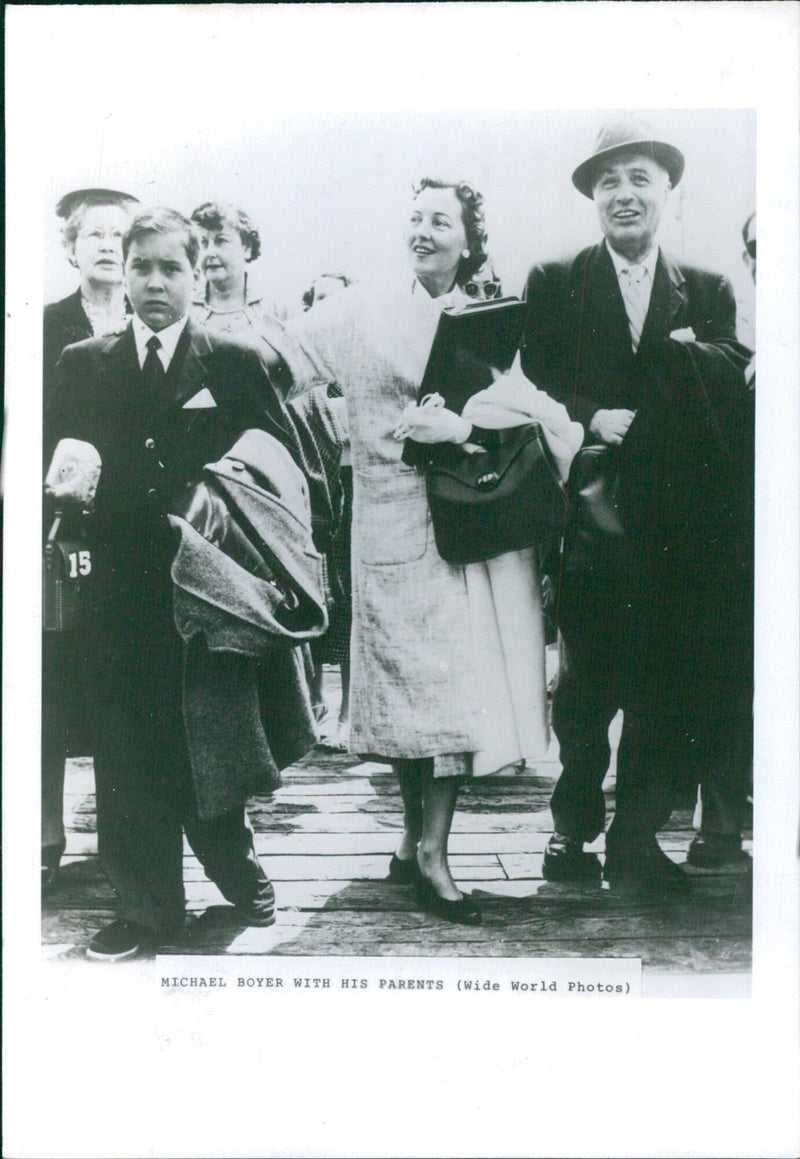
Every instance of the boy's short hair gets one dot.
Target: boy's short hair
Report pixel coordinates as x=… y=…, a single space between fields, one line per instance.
x=162 y=220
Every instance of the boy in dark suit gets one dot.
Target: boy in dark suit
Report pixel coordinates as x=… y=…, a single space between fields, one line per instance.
x=148 y=408
x=642 y=351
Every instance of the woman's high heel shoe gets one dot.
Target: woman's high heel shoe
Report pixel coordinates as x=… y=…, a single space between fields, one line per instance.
x=403 y=872
x=463 y=912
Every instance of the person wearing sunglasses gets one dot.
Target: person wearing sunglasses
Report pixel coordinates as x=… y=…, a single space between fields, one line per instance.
x=484 y=285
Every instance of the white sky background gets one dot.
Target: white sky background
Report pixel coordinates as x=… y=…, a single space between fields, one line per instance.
x=316 y=118
x=331 y=192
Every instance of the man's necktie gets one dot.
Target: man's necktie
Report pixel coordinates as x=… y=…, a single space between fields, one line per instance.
x=637 y=299
x=153 y=372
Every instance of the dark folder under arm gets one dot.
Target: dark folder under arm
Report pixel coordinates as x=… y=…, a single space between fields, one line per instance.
x=469 y=341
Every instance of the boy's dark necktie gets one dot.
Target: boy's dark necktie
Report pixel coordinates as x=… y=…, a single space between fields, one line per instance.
x=153 y=373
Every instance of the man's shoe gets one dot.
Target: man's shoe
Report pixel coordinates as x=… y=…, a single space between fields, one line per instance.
x=653 y=875
x=565 y=860
x=715 y=851
x=118 y=941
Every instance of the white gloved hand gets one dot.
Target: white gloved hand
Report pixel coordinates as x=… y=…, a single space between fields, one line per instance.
x=432 y=422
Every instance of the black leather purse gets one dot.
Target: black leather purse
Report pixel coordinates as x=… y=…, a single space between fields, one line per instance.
x=504 y=498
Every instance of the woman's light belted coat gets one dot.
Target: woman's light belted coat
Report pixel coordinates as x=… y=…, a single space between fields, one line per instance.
x=416 y=687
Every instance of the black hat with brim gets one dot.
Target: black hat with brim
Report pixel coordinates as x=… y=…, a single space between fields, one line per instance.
x=70 y=201
x=622 y=137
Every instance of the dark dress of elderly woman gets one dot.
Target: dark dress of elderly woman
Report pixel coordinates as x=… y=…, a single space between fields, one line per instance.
x=93 y=222
x=447 y=662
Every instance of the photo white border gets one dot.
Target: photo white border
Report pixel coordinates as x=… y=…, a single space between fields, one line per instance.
x=102 y=1065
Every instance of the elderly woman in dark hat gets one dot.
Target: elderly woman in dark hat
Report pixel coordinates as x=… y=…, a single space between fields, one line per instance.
x=94 y=221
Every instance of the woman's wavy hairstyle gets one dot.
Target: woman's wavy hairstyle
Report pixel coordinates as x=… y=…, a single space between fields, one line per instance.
x=473 y=218
x=215 y=215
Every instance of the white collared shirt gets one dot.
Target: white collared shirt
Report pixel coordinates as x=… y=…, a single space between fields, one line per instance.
x=648 y=263
x=168 y=337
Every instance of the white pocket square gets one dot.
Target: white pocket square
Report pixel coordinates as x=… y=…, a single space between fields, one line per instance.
x=686 y=334
x=203 y=400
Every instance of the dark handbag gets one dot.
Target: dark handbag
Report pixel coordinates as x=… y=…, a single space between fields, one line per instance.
x=502 y=499
x=595 y=531
x=66 y=579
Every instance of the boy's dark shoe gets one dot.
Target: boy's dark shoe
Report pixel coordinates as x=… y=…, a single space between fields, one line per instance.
x=120 y=940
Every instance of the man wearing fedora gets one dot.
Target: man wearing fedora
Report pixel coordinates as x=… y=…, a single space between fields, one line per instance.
x=642 y=350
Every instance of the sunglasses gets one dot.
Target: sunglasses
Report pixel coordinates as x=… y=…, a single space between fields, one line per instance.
x=490 y=289
x=750 y=246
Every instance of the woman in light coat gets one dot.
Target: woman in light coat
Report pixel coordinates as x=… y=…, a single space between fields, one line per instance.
x=447 y=661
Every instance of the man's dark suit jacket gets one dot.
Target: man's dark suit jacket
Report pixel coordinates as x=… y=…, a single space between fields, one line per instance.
x=684 y=483
x=577 y=343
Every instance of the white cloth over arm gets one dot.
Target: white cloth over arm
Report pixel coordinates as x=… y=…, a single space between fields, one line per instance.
x=512 y=400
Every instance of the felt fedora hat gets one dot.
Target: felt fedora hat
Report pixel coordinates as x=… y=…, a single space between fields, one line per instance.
x=70 y=201
x=619 y=136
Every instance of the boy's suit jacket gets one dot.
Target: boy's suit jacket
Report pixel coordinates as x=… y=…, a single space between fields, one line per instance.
x=577 y=343
x=151 y=449
x=215 y=389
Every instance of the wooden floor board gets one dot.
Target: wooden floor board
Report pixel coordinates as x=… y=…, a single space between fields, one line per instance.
x=326 y=837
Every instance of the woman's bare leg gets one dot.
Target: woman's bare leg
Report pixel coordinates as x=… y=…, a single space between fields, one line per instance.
x=409 y=774
x=438 y=805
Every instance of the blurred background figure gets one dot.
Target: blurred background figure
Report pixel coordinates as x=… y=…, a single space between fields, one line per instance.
x=334 y=647
x=94 y=221
x=484 y=284
x=726 y=793
x=231 y=300
x=749 y=238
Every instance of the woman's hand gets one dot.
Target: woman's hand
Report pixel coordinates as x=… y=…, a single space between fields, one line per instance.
x=432 y=424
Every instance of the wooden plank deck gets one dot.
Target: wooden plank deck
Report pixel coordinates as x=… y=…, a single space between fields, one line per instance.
x=326 y=837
